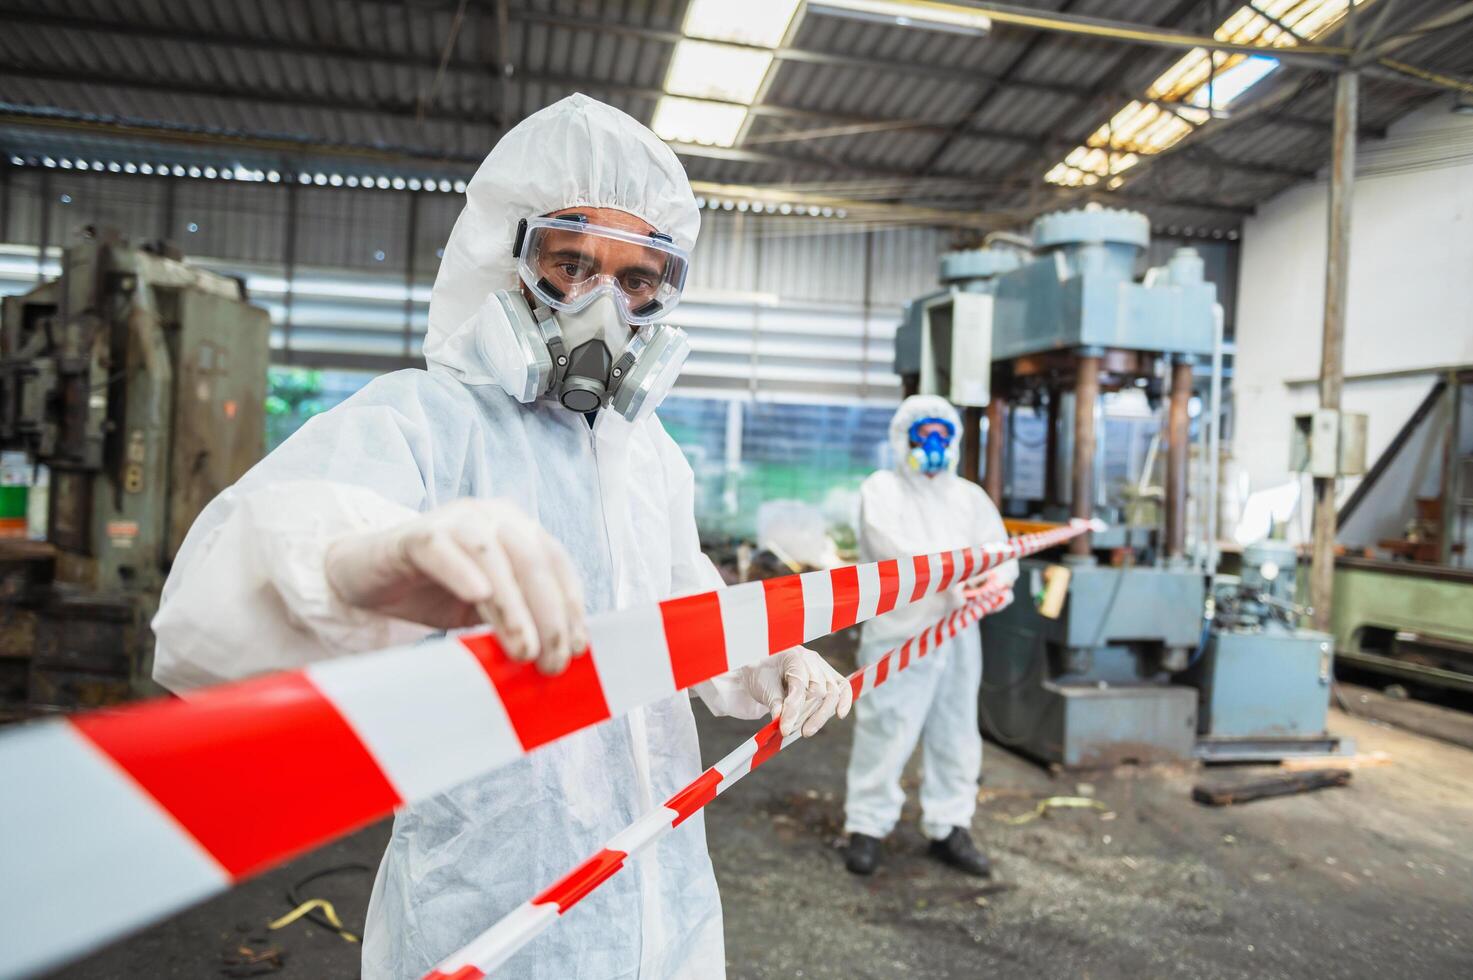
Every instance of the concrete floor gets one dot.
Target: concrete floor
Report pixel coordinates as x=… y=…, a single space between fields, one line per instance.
x=1374 y=880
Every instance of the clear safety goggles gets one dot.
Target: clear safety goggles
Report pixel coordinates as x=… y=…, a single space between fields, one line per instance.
x=565 y=262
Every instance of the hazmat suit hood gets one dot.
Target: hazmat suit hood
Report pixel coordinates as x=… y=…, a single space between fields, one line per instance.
x=911 y=411
x=576 y=152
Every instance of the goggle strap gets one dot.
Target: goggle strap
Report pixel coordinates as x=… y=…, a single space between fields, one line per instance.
x=516 y=245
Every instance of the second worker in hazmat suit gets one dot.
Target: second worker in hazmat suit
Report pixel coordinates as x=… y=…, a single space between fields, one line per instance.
x=519 y=481
x=921 y=507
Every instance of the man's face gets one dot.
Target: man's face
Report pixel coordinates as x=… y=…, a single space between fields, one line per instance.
x=921 y=433
x=570 y=258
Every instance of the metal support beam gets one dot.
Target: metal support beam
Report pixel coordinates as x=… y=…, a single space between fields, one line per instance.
x=1124 y=32
x=971 y=434
x=1082 y=497
x=1178 y=435
x=992 y=475
x=44 y=232
x=1332 y=349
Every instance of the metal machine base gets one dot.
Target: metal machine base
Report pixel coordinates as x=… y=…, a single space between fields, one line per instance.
x=1271 y=749
x=1100 y=727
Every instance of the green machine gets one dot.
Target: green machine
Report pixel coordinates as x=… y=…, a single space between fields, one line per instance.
x=139 y=381
x=1408 y=620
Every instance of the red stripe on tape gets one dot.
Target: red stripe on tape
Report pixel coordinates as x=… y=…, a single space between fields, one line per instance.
x=695 y=637
x=219 y=760
x=970 y=560
x=882 y=670
x=856 y=682
x=922 y=651
x=845 y=583
x=784 y=612
x=770 y=742
x=948 y=569
x=889 y=585
x=582 y=880
x=464 y=973
x=696 y=795
x=922 y=565
x=905 y=653
x=541 y=708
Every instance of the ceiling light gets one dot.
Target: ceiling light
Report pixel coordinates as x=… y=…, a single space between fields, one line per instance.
x=759 y=22
x=131 y=168
x=445 y=185
x=352 y=180
x=397 y=183
x=145 y=168
x=272 y=176
x=460 y=187
x=690 y=121
x=194 y=171
x=703 y=70
x=911 y=13
x=414 y=183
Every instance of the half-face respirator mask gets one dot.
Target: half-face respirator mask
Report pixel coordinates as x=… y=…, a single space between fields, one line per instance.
x=589 y=337
x=932 y=451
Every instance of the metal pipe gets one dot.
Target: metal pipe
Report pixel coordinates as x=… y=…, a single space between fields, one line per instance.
x=1332 y=347
x=1178 y=433
x=411 y=233
x=1051 y=489
x=1450 y=491
x=992 y=479
x=45 y=229
x=1214 y=444
x=1086 y=393
x=971 y=434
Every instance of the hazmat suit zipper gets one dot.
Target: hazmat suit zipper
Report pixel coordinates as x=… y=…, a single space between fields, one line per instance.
x=638 y=731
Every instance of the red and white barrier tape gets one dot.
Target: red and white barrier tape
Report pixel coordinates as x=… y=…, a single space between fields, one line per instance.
x=116 y=818
x=478 y=958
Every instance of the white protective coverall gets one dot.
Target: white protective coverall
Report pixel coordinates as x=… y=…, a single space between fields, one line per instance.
x=903 y=512
x=247 y=593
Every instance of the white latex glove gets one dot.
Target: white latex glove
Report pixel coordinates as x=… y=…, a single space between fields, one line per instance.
x=986 y=584
x=800 y=688
x=466 y=563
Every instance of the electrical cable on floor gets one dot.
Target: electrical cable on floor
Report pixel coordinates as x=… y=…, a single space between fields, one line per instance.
x=317 y=910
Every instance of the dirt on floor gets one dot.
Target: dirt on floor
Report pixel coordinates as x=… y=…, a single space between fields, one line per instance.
x=1373 y=880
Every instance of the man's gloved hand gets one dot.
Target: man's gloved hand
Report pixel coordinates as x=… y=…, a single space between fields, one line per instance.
x=466 y=563
x=799 y=687
x=985 y=585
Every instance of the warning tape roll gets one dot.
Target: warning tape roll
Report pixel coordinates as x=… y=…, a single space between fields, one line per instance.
x=478 y=958
x=124 y=816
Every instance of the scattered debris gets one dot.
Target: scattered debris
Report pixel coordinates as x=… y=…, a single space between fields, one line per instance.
x=1299 y=782
x=313 y=905
x=242 y=960
x=1054 y=803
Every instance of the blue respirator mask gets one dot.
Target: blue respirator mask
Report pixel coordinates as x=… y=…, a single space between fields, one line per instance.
x=935 y=453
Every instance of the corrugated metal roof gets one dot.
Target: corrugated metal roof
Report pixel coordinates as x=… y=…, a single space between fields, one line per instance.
x=309 y=82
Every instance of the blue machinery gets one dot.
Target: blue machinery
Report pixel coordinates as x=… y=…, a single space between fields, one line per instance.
x=1136 y=666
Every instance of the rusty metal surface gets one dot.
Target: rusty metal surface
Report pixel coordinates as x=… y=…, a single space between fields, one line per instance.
x=1082 y=499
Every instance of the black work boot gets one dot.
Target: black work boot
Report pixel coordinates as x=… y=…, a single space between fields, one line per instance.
x=960 y=851
x=862 y=855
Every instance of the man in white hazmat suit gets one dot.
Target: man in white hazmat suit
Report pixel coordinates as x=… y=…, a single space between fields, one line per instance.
x=921 y=507
x=518 y=481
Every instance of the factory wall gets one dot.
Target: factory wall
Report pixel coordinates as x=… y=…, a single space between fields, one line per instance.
x=786 y=308
x=1411 y=291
